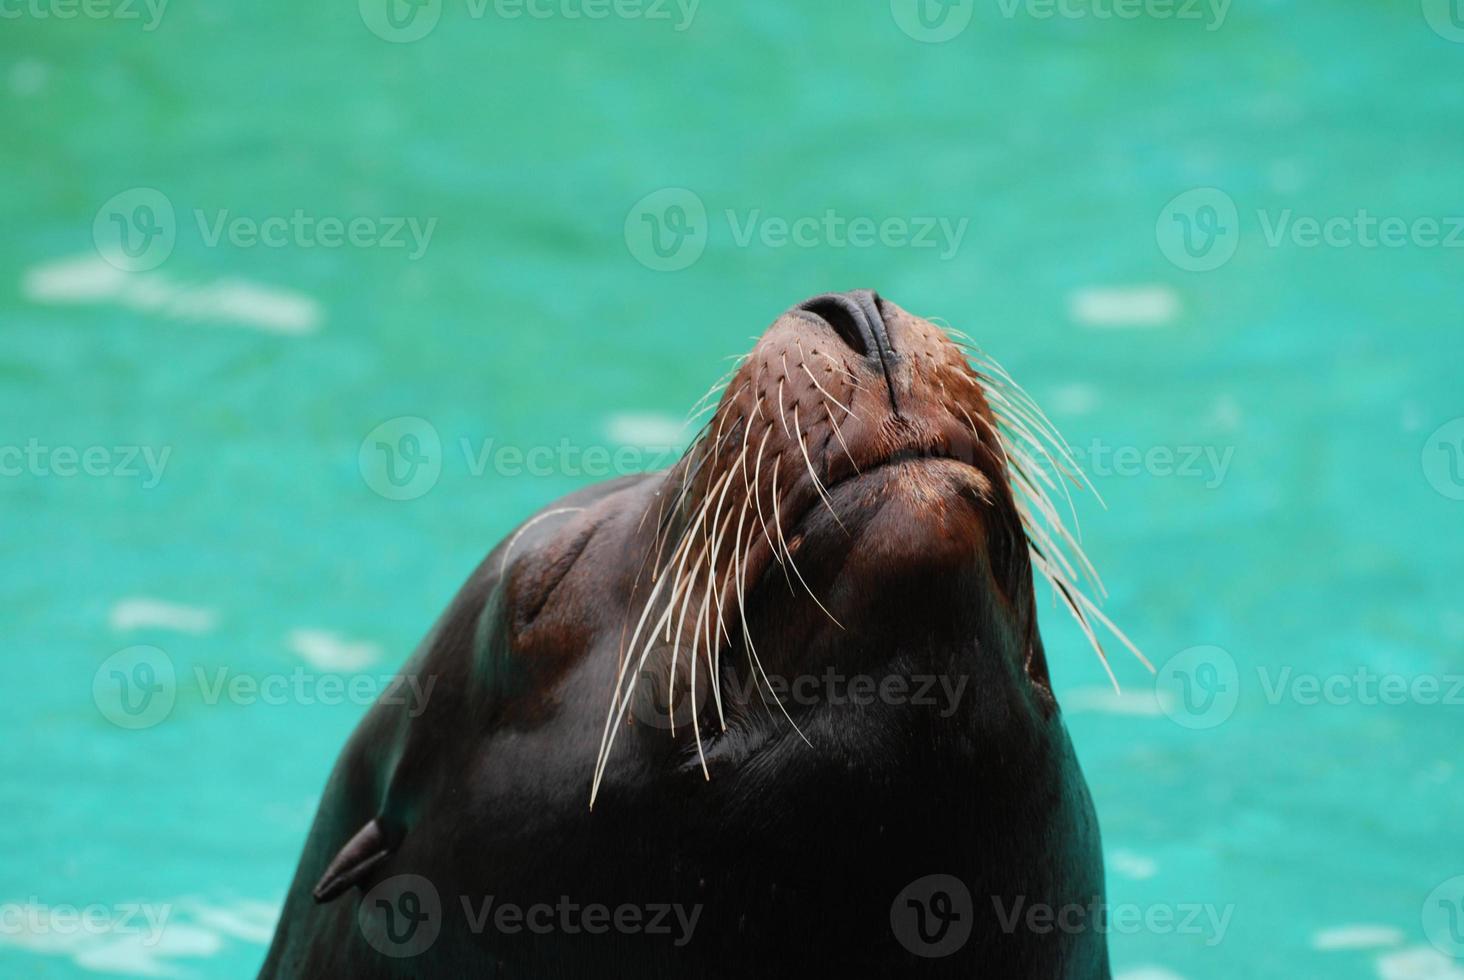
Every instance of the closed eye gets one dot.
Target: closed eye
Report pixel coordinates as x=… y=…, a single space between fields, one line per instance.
x=536 y=577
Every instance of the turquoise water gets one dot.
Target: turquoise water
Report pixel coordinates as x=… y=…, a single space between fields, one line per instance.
x=1318 y=531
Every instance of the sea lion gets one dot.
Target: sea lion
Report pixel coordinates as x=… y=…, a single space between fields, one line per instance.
x=782 y=709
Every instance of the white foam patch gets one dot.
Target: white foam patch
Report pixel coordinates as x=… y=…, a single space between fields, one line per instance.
x=1356 y=937
x=1138 y=702
x=130 y=954
x=28 y=76
x=89 y=279
x=1124 y=307
x=250 y=921
x=1132 y=865
x=1073 y=399
x=1226 y=413
x=1418 y=963
x=645 y=429
x=329 y=651
x=1287 y=176
x=143 y=613
x=1147 y=973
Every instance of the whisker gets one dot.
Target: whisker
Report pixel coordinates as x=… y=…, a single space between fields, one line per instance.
x=621 y=700
x=778 y=520
x=1021 y=422
x=781 y=414
x=556 y=512
x=840 y=436
x=842 y=368
x=720 y=384
x=757 y=661
x=756 y=492
x=817 y=484
x=1064 y=589
x=811 y=377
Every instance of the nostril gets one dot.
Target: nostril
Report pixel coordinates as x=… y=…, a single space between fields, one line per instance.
x=856 y=317
x=846 y=319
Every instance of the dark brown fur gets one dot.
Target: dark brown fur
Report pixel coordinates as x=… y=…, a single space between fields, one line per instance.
x=794 y=851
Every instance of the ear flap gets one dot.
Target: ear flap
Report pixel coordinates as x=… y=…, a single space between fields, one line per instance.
x=371 y=845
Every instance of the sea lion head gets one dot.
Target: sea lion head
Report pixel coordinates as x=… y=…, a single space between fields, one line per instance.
x=870 y=495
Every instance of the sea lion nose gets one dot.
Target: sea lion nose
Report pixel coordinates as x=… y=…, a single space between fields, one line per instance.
x=858 y=318
x=855 y=317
